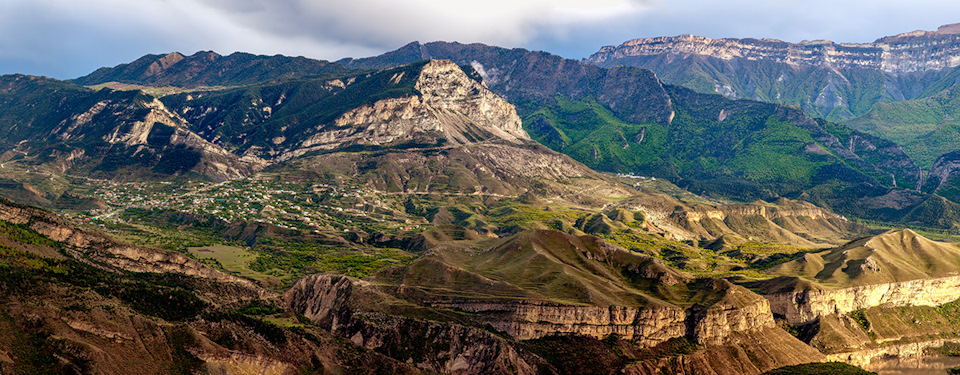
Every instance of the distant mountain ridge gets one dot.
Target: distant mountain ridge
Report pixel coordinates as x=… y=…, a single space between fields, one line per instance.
x=904 y=53
x=207 y=68
x=836 y=81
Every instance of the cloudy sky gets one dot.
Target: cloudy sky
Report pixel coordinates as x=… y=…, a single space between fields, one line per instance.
x=70 y=38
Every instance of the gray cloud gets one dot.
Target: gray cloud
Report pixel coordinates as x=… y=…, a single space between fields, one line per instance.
x=66 y=38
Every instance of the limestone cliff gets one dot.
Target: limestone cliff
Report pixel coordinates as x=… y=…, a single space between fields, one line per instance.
x=433 y=346
x=451 y=109
x=807 y=305
x=898 y=268
x=917 y=51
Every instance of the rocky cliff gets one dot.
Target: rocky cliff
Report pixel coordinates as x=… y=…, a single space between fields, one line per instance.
x=454 y=348
x=898 y=268
x=904 y=53
x=434 y=346
x=451 y=109
x=836 y=81
x=808 y=305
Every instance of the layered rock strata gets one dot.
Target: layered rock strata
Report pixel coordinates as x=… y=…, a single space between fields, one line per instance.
x=323 y=299
x=909 y=52
x=434 y=346
x=808 y=305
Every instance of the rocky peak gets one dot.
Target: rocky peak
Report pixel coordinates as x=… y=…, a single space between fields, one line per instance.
x=164 y=63
x=443 y=85
x=449 y=108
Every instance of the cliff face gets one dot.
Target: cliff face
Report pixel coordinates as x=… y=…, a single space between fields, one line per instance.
x=897 y=268
x=735 y=335
x=808 y=305
x=434 y=346
x=648 y=326
x=835 y=81
x=451 y=109
x=918 y=51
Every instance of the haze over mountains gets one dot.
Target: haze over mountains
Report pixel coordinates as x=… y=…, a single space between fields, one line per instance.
x=471 y=209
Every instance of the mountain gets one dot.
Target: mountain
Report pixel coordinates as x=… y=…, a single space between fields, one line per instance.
x=926 y=126
x=832 y=80
x=105 y=134
x=207 y=68
x=708 y=144
x=899 y=88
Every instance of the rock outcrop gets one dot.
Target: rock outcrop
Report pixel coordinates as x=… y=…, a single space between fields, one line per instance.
x=808 y=305
x=897 y=268
x=452 y=109
x=433 y=346
x=945 y=170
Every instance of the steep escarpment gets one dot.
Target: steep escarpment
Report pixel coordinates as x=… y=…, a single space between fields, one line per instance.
x=837 y=81
x=430 y=345
x=898 y=268
x=917 y=51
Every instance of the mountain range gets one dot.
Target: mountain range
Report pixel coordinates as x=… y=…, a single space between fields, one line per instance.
x=467 y=209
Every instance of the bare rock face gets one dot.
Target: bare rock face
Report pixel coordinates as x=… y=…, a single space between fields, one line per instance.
x=808 y=305
x=945 y=168
x=897 y=268
x=910 y=52
x=737 y=311
x=320 y=299
x=648 y=326
x=452 y=109
x=433 y=346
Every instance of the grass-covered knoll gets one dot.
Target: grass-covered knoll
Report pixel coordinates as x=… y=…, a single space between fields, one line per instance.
x=894 y=256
